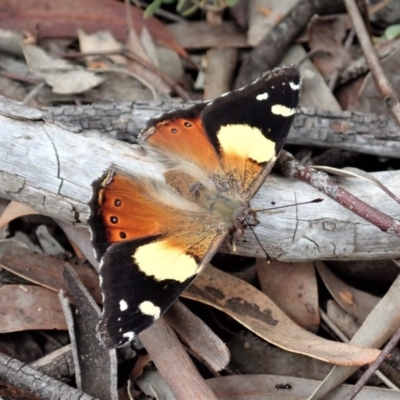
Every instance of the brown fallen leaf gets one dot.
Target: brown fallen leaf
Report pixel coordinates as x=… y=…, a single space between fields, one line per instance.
x=356 y=302
x=46 y=271
x=15 y=210
x=27 y=307
x=293 y=288
x=275 y=387
x=59 y=18
x=259 y=314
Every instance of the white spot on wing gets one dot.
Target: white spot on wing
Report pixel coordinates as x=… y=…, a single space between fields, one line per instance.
x=123 y=305
x=262 y=96
x=150 y=309
x=279 y=109
x=128 y=335
x=294 y=86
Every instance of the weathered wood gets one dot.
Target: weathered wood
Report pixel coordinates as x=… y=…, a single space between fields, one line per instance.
x=18 y=374
x=51 y=168
x=364 y=133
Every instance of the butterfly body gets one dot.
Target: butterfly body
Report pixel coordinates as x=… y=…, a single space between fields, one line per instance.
x=153 y=237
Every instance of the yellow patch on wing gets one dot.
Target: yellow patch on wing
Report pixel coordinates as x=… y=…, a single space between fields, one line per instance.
x=163 y=261
x=149 y=308
x=247 y=142
x=279 y=109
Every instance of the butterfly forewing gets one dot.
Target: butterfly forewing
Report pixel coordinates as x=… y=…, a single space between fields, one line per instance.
x=249 y=139
x=234 y=139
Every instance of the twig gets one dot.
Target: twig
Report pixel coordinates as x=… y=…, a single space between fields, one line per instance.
x=383 y=85
x=173 y=363
x=345 y=339
x=130 y=73
x=332 y=79
x=178 y=89
x=373 y=367
x=20 y=375
x=290 y=167
x=34 y=92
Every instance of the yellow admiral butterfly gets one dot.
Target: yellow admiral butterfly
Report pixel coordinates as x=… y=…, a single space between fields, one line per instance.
x=153 y=237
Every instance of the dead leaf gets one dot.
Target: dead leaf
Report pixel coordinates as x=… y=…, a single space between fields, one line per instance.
x=15 y=210
x=202 y=341
x=356 y=302
x=27 y=307
x=44 y=270
x=327 y=34
x=135 y=46
x=63 y=77
x=59 y=18
x=275 y=387
x=293 y=288
x=380 y=325
x=367 y=98
x=100 y=42
x=258 y=313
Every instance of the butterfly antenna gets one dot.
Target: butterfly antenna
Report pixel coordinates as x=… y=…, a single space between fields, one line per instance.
x=318 y=200
x=262 y=247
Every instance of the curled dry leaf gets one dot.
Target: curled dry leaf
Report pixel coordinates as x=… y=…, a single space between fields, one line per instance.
x=26 y=307
x=15 y=210
x=259 y=314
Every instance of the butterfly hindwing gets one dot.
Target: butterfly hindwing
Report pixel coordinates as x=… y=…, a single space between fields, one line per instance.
x=150 y=251
x=142 y=298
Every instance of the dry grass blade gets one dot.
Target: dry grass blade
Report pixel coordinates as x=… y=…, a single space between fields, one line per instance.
x=358 y=173
x=259 y=314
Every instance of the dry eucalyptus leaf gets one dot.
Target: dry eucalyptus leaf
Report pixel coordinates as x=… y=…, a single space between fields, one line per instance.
x=356 y=302
x=46 y=271
x=293 y=288
x=259 y=314
x=15 y=210
x=380 y=325
x=63 y=77
x=275 y=387
x=27 y=307
x=100 y=42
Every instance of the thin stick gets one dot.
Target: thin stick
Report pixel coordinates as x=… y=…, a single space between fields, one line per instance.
x=373 y=367
x=382 y=83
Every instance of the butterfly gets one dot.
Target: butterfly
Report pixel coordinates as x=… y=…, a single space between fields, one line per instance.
x=153 y=237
